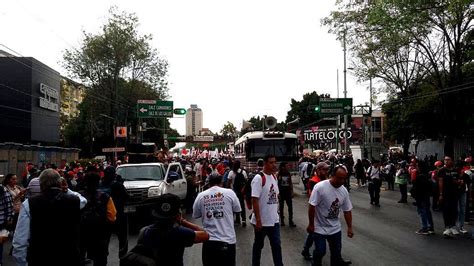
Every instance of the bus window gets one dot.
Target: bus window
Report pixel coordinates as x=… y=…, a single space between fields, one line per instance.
x=282 y=149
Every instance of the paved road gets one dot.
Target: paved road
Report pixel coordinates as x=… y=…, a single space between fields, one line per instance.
x=383 y=236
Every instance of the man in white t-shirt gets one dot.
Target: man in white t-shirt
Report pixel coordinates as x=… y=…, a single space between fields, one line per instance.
x=327 y=199
x=375 y=182
x=265 y=217
x=216 y=206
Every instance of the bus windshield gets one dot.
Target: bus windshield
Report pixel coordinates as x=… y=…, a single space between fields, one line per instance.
x=283 y=149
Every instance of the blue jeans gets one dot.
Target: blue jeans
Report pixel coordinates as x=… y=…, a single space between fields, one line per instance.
x=462 y=209
x=273 y=233
x=423 y=208
x=335 y=246
x=308 y=242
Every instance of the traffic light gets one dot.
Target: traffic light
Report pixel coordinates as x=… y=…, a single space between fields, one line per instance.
x=317 y=109
x=179 y=111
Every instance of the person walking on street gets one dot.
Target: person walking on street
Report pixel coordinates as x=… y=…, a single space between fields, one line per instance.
x=170 y=233
x=401 y=178
x=327 y=199
x=96 y=220
x=216 y=206
x=434 y=179
x=265 y=218
x=421 y=192
x=236 y=180
x=6 y=214
x=375 y=182
x=44 y=221
x=464 y=183
x=390 y=172
x=360 y=173
x=112 y=186
x=286 y=194
x=320 y=174
x=449 y=184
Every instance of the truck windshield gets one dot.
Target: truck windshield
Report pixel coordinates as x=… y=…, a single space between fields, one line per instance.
x=143 y=172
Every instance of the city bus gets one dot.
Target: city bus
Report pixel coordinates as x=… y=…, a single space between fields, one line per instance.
x=255 y=145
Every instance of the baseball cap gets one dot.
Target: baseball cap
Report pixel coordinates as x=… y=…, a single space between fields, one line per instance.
x=167 y=206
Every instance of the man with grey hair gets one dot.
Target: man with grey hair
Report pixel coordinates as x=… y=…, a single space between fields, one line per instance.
x=44 y=221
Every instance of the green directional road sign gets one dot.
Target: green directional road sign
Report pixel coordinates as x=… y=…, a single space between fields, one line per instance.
x=154 y=109
x=335 y=106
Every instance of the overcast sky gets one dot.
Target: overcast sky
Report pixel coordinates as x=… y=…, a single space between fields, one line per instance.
x=234 y=59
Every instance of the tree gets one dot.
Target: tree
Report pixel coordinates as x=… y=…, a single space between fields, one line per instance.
x=410 y=43
x=304 y=111
x=228 y=129
x=118 y=66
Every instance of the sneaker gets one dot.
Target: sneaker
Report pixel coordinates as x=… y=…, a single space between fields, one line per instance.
x=454 y=231
x=431 y=231
x=447 y=233
x=306 y=255
x=462 y=230
x=292 y=224
x=422 y=232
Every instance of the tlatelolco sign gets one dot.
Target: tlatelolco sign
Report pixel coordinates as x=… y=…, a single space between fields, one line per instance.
x=326 y=134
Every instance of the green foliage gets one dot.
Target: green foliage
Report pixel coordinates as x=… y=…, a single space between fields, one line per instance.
x=119 y=66
x=421 y=51
x=228 y=129
x=304 y=110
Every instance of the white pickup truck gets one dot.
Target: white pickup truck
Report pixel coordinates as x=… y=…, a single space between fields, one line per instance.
x=144 y=182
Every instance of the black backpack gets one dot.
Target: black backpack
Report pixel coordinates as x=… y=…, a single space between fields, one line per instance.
x=95 y=212
x=239 y=181
x=140 y=255
x=309 y=170
x=247 y=189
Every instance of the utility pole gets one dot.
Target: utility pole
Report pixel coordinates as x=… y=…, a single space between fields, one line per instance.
x=370 y=131
x=345 y=94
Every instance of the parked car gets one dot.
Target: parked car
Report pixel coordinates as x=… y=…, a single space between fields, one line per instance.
x=146 y=181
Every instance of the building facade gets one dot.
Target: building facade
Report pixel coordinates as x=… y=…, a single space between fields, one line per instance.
x=30 y=101
x=194 y=119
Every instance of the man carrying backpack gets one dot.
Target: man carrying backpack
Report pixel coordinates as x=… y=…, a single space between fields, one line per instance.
x=96 y=220
x=236 y=180
x=265 y=217
x=112 y=186
x=163 y=242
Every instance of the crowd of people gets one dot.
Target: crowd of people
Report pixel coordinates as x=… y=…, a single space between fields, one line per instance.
x=88 y=203
x=63 y=216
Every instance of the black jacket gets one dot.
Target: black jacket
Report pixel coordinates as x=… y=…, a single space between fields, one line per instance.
x=54 y=229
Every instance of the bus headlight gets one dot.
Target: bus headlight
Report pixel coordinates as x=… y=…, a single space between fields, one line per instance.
x=154 y=192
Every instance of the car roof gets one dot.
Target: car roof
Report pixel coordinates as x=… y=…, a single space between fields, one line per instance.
x=139 y=164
